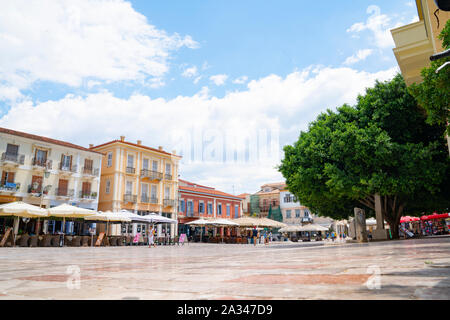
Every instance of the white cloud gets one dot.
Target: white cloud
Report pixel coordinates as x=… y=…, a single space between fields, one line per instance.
x=66 y=42
x=190 y=72
x=359 y=56
x=241 y=80
x=219 y=79
x=379 y=25
x=288 y=103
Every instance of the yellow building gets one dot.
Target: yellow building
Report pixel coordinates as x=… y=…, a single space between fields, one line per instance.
x=140 y=179
x=416 y=42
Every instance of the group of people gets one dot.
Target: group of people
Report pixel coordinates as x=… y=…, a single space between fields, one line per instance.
x=265 y=236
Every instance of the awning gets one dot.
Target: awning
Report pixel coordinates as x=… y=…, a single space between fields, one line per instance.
x=435 y=216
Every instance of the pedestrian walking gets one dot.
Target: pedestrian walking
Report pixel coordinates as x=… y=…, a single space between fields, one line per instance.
x=151 y=238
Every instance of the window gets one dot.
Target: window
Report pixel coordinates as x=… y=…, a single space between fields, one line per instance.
x=306 y=213
x=153 y=192
x=66 y=162
x=236 y=211
x=108 y=186
x=168 y=168
x=144 y=191
x=201 y=207
x=297 y=213
x=167 y=193
x=288 y=214
x=219 y=209
x=41 y=157
x=182 y=206
x=88 y=164
x=228 y=210
x=62 y=187
x=210 y=208
x=155 y=165
x=12 y=149
x=129 y=187
x=86 y=188
x=287 y=198
x=36 y=184
x=130 y=161
x=190 y=208
x=109 y=162
x=7 y=177
x=145 y=164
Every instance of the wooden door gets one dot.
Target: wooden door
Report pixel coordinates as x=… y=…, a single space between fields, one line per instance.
x=36 y=183
x=62 y=187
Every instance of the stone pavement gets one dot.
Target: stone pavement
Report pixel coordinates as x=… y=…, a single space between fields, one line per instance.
x=408 y=269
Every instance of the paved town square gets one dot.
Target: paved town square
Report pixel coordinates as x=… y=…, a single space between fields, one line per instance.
x=408 y=269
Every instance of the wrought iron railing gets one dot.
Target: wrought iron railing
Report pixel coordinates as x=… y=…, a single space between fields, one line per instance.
x=130 y=198
x=131 y=170
x=15 y=158
x=87 y=195
x=64 y=192
x=72 y=169
x=153 y=175
x=89 y=171
x=169 y=203
x=167 y=176
x=37 y=162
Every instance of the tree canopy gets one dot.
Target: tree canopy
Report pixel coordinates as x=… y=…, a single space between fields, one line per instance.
x=383 y=145
x=433 y=94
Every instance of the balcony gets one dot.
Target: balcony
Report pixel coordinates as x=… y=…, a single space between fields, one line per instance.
x=152 y=175
x=12 y=159
x=169 y=203
x=64 y=192
x=130 y=198
x=37 y=191
x=131 y=170
x=90 y=172
x=167 y=176
x=87 y=195
x=9 y=188
x=413 y=49
x=146 y=199
x=307 y=219
x=265 y=208
x=42 y=164
x=67 y=169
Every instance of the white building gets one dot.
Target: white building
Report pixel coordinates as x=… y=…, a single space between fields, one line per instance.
x=291 y=209
x=48 y=172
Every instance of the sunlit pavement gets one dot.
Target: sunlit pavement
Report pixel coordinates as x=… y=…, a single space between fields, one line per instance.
x=405 y=269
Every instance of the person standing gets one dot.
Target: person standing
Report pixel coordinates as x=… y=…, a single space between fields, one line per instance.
x=255 y=235
x=151 y=238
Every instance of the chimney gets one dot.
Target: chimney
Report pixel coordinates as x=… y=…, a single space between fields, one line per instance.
x=91 y=145
x=122 y=138
x=139 y=142
x=160 y=148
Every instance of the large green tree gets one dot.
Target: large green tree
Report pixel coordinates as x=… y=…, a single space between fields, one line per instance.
x=433 y=93
x=383 y=145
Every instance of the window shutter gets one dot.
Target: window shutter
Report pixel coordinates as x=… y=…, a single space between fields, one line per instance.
x=70 y=164
x=3 y=177
x=11 y=177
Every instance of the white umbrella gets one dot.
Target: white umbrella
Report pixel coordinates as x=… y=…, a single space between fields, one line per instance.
x=21 y=209
x=134 y=217
x=200 y=222
x=156 y=218
x=223 y=222
x=108 y=216
x=291 y=228
x=68 y=211
x=313 y=227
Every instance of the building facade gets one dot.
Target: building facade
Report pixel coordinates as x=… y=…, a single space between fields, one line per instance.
x=197 y=201
x=139 y=179
x=48 y=172
x=291 y=209
x=266 y=198
x=417 y=41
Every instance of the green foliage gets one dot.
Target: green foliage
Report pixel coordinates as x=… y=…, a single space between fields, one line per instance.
x=433 y=94
x=382 y=145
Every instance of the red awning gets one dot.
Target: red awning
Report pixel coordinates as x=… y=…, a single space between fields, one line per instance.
x=408 y=219
x=435 y=216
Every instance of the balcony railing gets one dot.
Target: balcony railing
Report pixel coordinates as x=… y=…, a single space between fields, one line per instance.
x=167 y=176
x=70 y=169
x=14 y=158
x=87 y=195
x=131 y=170
x=146 y=199
x=48 y=164
x=265 y=208
x=90 y=171
x=169 y=203
x=153 y=175
x=64 y=192
x=38 y=190
x=10 y=187
x=130 y=198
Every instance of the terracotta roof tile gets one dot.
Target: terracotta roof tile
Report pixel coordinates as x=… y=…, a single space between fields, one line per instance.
x=45 y=139
x=208 y=191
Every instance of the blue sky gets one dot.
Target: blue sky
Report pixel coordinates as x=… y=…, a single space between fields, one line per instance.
x=159 y=67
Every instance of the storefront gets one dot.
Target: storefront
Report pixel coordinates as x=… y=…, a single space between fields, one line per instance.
x=435 y=224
